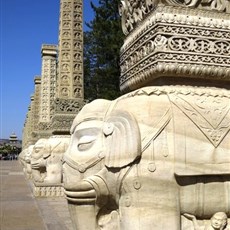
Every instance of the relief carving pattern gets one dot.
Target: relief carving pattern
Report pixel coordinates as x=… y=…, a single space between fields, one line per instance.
x=68 y=105
x=47 y=191
x=169 y=44
x=71 y=49
x=133 y=11
x=208 y=111
x=61 y=123
x=211 y=118
x=47 y=89
x=36 y=104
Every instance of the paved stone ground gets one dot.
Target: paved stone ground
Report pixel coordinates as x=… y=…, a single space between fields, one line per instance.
x=20 y=210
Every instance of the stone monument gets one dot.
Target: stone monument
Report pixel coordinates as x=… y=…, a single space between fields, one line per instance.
x=48 y=87
x=46 y=165
x=32 y=119
x=57 y=100
x=24 y=158
x=70 y=96
x=158 y=157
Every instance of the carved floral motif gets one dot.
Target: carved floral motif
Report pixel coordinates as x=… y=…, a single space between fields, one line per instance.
x=134 y=11
x=170 y=44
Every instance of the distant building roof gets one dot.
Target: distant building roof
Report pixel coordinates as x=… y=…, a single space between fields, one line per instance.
x=13 y=137
x=13 y=141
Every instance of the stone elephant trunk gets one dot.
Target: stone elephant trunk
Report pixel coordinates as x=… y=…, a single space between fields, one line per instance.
x=38 y=164
x=46 y=159
x=88 y=197
x=85 y=201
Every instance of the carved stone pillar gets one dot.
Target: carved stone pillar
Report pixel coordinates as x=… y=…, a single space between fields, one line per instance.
x=70 y=95
x=27 y=129
x=48 y=88
x=48 y=81
x=35 y=107
x=24 y=132
x=29 y=132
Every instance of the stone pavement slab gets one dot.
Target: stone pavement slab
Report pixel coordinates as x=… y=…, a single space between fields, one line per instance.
x=20 y=210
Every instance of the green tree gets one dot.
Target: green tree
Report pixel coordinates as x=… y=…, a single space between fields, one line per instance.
x=102 y=45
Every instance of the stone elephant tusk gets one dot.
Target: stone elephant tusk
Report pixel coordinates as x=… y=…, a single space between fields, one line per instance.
x=84 y=201
x=81 y=194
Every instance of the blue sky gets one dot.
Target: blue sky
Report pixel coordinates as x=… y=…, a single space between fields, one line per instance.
x=24 y=26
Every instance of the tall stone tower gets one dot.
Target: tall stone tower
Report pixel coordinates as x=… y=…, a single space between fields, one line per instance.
x=69 y=92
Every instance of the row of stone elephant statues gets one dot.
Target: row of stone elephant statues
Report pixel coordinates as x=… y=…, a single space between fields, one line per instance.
x=42 y=162
x=156 y=158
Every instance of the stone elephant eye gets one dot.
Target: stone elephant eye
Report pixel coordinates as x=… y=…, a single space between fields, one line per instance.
x=85 y=142
x=36 y=150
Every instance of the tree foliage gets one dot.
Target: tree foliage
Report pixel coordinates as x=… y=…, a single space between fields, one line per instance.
x=101 y=52
x=6 y=149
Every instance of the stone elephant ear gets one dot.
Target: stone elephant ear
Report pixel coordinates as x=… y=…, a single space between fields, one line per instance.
x=94 y=110
x=122 y=139
x=47 y=152
x=46 y=155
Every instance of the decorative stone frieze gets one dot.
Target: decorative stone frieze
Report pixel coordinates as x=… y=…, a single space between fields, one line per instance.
x=175 y=41
x=65 y=105
x=133 y=12
x=61 y=122
x=40 y=190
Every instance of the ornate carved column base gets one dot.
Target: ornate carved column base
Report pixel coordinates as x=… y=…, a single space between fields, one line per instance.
x=41 y=190
x=65 y=112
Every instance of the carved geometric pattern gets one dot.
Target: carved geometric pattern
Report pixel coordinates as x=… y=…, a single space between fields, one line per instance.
x=48 y=191
x=210 y=114
x=70 y=49
x=48 y=81
x=62 y=123
x=208 y=109
x=170 y=44
x=133 y=12
x=36 y=103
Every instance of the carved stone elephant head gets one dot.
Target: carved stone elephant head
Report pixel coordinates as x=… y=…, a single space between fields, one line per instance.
x=24 y=158
x=38 y=163
x=149 y=157
x=46 y=159
x=28 y=169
